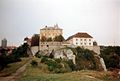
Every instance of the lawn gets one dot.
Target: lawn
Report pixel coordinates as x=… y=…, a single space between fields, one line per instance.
x=41 y=73
x=12 y=67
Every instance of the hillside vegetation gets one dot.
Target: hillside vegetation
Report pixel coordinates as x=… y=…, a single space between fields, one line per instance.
x=40 y=72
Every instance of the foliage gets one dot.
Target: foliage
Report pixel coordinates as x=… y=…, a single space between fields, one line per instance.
x=34 y=63
x=21 y=51
x=49 y=39
x=12 y=67
x=15 y=56
x=111 y=56
x=44 y=59
x=85 y=59
x=43 y=39
x=71 y=65
x=56 y=65
x=3 y=59
x=39 y=54
x=35 y=40
x=59 y=38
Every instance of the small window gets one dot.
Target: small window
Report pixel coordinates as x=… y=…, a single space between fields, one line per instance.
x=89 y=39
x=84 y=43
x=81 y=43
x=76 y=43
x=76 y=39
x=84 y=39
x=80 y=39
x=89 y=43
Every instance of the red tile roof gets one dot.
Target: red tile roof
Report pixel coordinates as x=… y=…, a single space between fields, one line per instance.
x=80 y=35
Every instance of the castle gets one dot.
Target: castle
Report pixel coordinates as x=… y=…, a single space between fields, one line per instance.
x=81 y=39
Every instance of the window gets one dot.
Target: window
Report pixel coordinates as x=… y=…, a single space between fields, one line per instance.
x=81 y=43
x=84 y=43
x=89 y=39
x=76 y=39
x=76 y=43
x=80 y=39
x=84 y=39
x=89 y=43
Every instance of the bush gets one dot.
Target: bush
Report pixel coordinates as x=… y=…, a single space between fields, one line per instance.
x=56 y=65
x=84 y=59
x=44 y=59
x=34 y=63
x=71 y=65
x=38 y=55
x=58 y=60
x=65 y=68
x=111 y=56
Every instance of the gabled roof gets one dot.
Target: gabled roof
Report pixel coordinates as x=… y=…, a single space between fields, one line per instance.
x=80 y=35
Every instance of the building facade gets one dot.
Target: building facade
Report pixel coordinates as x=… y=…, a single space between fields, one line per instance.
x=50 y=32
x=4 y=43
x=81 y=39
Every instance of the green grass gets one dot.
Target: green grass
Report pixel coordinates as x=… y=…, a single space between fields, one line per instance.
x=41 y=73
x=12 y=67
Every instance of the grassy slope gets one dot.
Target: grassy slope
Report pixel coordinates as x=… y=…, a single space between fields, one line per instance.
x=41 y=73
x=12 y=67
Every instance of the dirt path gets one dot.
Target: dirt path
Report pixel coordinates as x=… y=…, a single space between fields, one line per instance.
x=16 y=75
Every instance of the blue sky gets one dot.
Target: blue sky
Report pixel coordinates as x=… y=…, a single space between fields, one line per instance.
x=99 y=18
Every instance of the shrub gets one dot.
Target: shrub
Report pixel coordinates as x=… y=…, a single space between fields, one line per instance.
x=71 y=65
x=34 y=63
x=65 y=69
x=84 y=59
x=38 y=55
x=44 y=59
x=58 y=60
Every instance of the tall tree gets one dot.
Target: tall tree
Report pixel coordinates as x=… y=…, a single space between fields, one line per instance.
x=43 y=39
x=49 y=39
x=59 y=38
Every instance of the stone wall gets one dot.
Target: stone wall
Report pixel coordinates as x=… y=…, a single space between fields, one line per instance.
x=50 y=46
x=34 y=49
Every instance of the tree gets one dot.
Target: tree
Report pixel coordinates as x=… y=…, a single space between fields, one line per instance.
x=43 y=39
x=111 y=56
x=35 y=40
x=59 y=38
x=3 y=59
x=49 y=39
x=85 y=59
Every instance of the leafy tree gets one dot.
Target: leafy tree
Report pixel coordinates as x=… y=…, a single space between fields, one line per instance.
x=85 y=59
x=49 y=39
x=35 y=40
x=43 y=39
x=114 y=61
x=3 y=58
x=59 y=38
x=111 y=56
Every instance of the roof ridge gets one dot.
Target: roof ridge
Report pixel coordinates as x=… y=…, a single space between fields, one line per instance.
x=80 y=35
